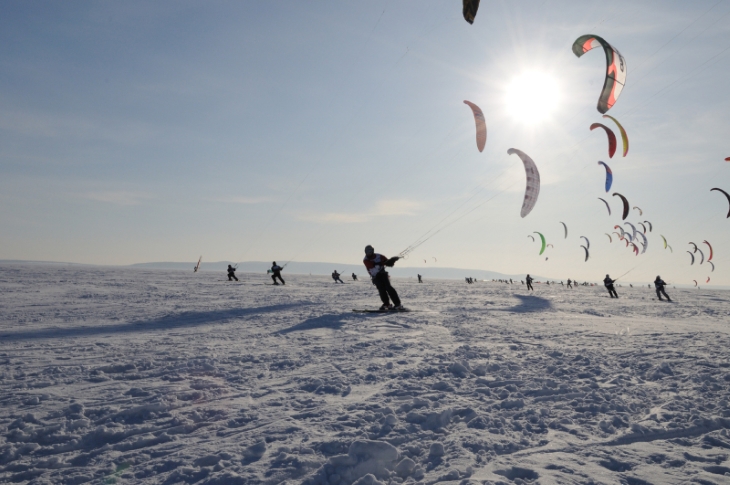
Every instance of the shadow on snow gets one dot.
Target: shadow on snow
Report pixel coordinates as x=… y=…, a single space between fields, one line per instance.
x=530 y=303
x=324 y=321
x=168 y=322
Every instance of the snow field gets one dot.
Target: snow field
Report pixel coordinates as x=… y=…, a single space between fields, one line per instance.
x=162 y=377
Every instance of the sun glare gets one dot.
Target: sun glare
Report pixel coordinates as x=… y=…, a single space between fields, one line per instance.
x=532 y=97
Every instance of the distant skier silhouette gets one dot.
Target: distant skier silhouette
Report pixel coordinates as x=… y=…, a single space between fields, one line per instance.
x=354 y=277
x=659 y=284
x=528 y=279
x=336 y=277
x=608 y=283
x=276 y=273
x=231 y=273
x=419 y=279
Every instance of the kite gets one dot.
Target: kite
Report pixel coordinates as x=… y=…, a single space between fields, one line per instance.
x=728 y=199
x=470 y=10
x=481 y=125
x=609 y=176
x=434 y=259
x=627 y=242
x=695 y=282
x=642 y=225
x=641 y=212
x=727 y=159
x=587 y=254
x=633 y=229
x=636 y=248
x=693 y=244
x=607 y=206
x=623 y=233
x=708 y=280
x=611 y=138
x=665 y=241
x=645 y=244
x=649 y=224
x=588 y=243
x=530 y=236
x=197 y=266
x=609 y=237
x=542 y=249
x=615 y=69
x=693 y=257
x=709 y=246
x=702 y=261
x=626 y=205
x=624 y=136
x=712 y=264
x=532 y=188
x=550 y=246
x=670 y=248
x=566 y=230
x=617 y=234
x=424 y=261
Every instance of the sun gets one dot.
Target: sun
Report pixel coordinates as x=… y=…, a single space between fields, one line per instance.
x=532 y=97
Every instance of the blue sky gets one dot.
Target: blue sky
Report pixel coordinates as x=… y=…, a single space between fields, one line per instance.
x=159 y=131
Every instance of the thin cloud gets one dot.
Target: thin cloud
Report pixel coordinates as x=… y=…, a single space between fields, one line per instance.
x=241 y=200
x=118 y=197
x=383 y=208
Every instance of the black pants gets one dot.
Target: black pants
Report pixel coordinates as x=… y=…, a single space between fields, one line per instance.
x=660 y=291
x=612 y=291
x=338 y=280
x=232 y=277
x=382 y=283
x=277 y=275
x=529 y=286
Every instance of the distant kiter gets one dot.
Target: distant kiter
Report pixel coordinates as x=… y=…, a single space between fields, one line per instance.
x=231 y=273
x=276 y=273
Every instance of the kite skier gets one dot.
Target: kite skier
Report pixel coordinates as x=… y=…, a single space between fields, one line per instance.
x=420 y=280
x=659 y=284
x=375 y=264
x=336 y=277
x=354 y=277
x=608 y=283
x=276 y=273
x=528 y=279
x=231 y=273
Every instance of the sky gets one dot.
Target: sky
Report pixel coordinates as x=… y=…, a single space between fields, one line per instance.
x=301 y=131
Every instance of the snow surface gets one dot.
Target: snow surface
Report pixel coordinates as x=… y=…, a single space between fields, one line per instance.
x=133 y=376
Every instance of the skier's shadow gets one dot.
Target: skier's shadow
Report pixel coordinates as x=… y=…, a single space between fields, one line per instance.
x=165 y=323
x=529 y=303
x=330 y=321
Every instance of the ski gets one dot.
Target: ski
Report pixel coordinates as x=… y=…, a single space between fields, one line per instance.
x=405 y=310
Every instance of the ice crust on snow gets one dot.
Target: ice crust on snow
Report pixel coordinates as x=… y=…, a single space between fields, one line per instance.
x=162 y=377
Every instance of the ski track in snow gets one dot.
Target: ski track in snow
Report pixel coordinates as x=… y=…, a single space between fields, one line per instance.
x=134 y=376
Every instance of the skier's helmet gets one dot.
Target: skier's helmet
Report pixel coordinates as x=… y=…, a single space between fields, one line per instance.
x=369 y=250
x=274 y=263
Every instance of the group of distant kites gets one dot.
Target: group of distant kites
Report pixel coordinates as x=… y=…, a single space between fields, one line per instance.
x=612 y=87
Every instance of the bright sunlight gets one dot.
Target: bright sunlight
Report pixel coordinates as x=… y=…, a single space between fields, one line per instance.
x=532 y=97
